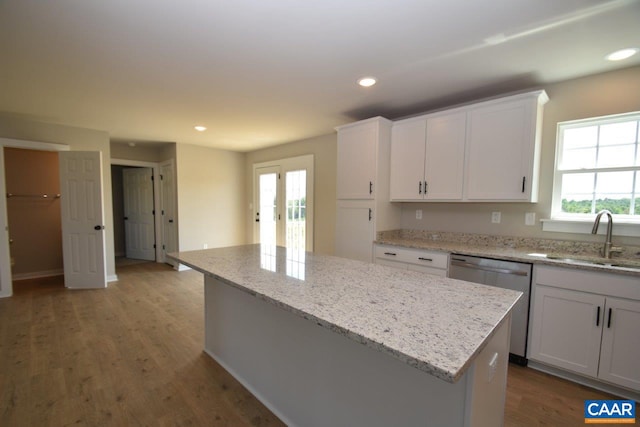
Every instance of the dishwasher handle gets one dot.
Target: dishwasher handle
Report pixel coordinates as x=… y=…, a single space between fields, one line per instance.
x=462 y=263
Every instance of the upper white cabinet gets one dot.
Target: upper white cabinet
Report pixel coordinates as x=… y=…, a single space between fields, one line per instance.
x=488 y=151
x=427 y=157
x=503 y=149
x=363 y=206
x=357 y=158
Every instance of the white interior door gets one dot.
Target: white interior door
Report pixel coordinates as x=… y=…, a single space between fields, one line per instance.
x=83 y=242
x=139 y=221
x=169 y=225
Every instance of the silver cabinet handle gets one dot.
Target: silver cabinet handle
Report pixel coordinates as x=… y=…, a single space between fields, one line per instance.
x=425 y=259
x=390 y=253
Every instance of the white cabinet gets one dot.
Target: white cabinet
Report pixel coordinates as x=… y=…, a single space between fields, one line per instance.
x=503 y=149
x=355 y=230
x=566 y=329
x=577 y=325
x=431 y=262
x=357 y=157
x=363 y=206
x=488 y=151
x=620 y=353
x=427 y=157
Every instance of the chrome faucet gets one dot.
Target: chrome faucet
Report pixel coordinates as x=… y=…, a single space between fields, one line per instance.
x=608 y=248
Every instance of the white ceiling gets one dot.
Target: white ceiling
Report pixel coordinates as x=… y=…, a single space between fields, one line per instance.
x=260 y=73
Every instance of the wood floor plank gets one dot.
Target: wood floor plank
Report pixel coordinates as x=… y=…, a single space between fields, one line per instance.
x=132 y=355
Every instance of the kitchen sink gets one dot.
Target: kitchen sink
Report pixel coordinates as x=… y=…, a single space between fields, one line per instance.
x=596 y=261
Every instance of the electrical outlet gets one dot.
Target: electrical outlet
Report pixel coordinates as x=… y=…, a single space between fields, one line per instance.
x=496 y=217
x=205 y=246
x=418 y=213
x=530 y=218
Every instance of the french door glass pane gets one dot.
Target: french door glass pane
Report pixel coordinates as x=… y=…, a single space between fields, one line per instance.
x=268 y=214
x=296 y=199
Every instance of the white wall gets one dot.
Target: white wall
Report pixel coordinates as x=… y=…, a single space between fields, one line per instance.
x=211 y=194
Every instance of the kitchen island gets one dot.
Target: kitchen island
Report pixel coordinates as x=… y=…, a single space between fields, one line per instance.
x=322 y=340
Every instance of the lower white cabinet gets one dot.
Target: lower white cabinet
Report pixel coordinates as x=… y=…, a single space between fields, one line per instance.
x=355 y=230
x=588 y=333
x=620 y=351
x=431 y=262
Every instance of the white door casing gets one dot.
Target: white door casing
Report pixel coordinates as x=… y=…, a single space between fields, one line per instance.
x=139 y=222
x=169 y=212
x=83 y=239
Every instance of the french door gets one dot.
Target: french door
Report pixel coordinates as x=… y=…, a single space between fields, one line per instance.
x=283 y=203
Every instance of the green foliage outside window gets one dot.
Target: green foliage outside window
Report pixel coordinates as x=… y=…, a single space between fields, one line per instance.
x=616 y=206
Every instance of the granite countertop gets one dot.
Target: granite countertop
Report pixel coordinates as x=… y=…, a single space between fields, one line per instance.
x=435 y=324
x=536 y=251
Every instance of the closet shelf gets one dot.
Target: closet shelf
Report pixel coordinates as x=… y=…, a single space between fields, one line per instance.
x=34 y=196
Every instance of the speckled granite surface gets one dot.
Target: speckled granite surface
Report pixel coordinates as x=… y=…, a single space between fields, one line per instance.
x=535 y=251
x=435 y=324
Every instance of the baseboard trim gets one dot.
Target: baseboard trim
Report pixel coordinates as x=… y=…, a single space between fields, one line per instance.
x=37 y=274
x=598 y=385
x=112 y=278
x=182 y=267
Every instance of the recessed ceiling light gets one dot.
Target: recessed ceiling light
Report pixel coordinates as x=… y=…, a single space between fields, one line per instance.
x=621 y=54
x=200 y=128
x=367 y=81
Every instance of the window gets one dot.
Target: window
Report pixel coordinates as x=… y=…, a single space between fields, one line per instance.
x=598 y=167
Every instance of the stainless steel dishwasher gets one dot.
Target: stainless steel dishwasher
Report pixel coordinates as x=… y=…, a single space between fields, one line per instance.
x=503 y=274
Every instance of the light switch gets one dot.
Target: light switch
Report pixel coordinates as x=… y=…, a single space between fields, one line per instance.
x=496 y=217
x=418 y=213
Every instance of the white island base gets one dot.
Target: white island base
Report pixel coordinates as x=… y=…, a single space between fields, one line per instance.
x=309 y=375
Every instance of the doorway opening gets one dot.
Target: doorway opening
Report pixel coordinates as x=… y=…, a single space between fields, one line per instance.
x=283 y=201
x=133 y=214
x=33 y=214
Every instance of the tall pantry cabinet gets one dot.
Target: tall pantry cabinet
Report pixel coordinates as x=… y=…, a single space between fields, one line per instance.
x=363 y=207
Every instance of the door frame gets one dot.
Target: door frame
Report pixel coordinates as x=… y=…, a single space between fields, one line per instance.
x=286 y=165
x=157 y=206
x=6 y=281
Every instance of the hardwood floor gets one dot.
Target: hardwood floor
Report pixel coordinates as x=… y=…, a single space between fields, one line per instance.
x=132 y=355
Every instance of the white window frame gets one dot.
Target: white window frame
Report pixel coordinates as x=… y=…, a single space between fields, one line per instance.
x=624 y=225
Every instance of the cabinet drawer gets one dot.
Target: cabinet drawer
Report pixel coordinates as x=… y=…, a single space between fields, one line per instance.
x=413 y=256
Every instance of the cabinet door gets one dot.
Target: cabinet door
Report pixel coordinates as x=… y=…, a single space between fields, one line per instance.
x=501 y=145
x=565 y=329
x=355 y=230
x=620 y=353
x=357 y=146
x=444 y=162
x=407 y=159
